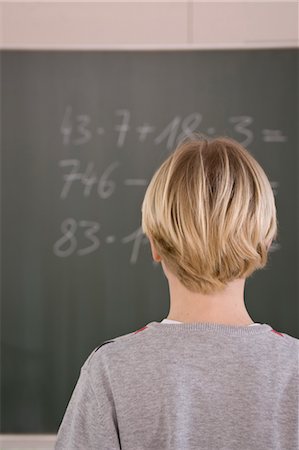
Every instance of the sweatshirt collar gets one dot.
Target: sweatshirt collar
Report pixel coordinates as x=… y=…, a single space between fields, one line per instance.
x=231 y=330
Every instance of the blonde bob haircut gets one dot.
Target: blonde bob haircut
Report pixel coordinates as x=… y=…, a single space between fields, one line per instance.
x=210 y=212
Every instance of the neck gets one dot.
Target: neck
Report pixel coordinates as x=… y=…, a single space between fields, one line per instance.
x=226 y=307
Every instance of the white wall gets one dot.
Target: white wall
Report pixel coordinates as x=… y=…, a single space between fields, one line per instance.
x=140 y=24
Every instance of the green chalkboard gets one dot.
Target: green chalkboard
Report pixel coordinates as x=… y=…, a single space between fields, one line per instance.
x=82 y=133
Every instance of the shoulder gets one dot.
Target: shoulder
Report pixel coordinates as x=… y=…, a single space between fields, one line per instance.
x=286 y=346
x=287 y=340
x=116 y=347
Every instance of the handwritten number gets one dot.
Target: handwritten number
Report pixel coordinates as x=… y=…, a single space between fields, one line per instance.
x=241 y=122
x=88 y=179
x=123 y=127
x=170 y=131
x=137 y=238
x=189 y=125
x=69 y=178
x=68 y=228
x=85 y=133
x=66 y=126
x=67 y=244
x=106 y=187
x=89 y=233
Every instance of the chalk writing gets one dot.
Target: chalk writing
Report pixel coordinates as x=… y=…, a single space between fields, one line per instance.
x=78 y=129
x=105 y=186
x=273 y=136
x=67 y=244
x=81 y=237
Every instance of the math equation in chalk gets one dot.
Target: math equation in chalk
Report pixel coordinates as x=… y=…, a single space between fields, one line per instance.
x=80 y=129
x=81 y=237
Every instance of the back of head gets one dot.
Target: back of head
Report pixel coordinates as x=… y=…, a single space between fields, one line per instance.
x=210 y=212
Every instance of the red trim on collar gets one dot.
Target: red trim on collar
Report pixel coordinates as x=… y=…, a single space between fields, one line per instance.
x=277 y=332
x=140 y=329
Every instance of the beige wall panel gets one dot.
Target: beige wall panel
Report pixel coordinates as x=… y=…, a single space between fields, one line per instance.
x=42 y=25
x=105 y=1
x=246 y=22
x=152 y=24
x=27 y=441
x=1 y=25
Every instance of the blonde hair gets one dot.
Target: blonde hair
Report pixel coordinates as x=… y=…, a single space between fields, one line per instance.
x=211 y=214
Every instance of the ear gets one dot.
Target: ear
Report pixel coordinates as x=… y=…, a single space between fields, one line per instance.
x=155 y=254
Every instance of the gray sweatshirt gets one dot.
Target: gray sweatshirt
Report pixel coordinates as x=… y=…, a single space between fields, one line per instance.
x=182 y=386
